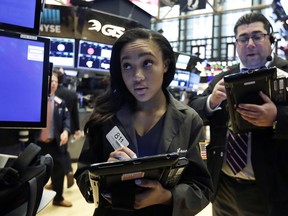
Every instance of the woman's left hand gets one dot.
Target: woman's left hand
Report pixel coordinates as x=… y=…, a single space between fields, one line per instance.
x=153 y=194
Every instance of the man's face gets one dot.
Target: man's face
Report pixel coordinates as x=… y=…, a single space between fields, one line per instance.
x=253 y=54
x=54 y=84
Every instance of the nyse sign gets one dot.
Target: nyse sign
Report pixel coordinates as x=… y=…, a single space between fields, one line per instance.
x=49 y=28
x=83 y=23
x=107 y=29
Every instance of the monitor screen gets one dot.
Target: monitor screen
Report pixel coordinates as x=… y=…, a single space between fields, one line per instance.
x=194 y=82
x=20 y=16
x=94 y=56
x=72 y=73
x=182 y=61
x=181 y=79
x=62 y=52
x=24 y=72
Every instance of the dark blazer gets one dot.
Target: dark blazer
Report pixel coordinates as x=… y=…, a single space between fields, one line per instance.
x=183 y=130
x=269 y=147
x=71 y=100
x=61 y=118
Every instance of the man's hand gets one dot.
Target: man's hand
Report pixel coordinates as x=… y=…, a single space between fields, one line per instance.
x=259 y=115
x=64 y=137
x=218 y=95
x=77 y=135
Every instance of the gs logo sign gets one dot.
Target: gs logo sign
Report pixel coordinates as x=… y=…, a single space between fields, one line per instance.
x=108 y=29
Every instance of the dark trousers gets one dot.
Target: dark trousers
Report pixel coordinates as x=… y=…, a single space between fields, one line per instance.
x=238 y=198
x=58 y=172
x=68 y=163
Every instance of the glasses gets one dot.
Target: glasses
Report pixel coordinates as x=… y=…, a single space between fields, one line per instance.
x=257 y=39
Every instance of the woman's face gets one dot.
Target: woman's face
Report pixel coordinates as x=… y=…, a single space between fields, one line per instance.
x=143 y=68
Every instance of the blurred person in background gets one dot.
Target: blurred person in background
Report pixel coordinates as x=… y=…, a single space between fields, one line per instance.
x=54 y=139
x=71 y=99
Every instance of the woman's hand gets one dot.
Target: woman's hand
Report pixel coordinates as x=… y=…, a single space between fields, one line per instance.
x=123 y=153
x=154 y=194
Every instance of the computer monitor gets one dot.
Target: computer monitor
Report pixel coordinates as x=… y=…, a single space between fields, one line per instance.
x=182 y=61
x=94 y=56
x=194 y=82
x=24 y=73
x=71 y=73
x=62 y=52
x=181 y=79
x=21 y=16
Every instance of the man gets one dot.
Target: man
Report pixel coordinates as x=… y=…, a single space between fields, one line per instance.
x=261 y=187
x=71 y=99
x=54 y=138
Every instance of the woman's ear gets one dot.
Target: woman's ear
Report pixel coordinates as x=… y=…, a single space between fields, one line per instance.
x=166 y=65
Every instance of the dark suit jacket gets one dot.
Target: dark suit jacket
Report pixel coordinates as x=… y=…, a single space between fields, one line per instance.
x=71 y=100
x=269 y=148
x=61 y=118
x=182 y=130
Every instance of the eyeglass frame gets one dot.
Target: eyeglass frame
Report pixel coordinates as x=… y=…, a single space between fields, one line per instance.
x=247 y=38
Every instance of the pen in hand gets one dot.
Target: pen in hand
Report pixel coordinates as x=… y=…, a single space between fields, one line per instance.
x=131 y=154
x=120 y=145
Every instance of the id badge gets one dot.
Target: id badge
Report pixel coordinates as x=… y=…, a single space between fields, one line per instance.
x=116 y=138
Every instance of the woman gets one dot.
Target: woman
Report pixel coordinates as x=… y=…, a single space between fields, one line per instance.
x=152 y=122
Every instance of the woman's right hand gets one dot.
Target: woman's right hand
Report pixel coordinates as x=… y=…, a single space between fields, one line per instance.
x=123 y=153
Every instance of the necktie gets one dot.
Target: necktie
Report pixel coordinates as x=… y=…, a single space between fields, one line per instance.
x=45 y=133
x=237 y=146
x=251 y=69
x=244 y=70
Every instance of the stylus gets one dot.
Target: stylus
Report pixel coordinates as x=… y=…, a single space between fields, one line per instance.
x=120 y=145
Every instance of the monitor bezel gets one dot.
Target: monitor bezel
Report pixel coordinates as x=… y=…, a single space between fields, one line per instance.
x=45 y=88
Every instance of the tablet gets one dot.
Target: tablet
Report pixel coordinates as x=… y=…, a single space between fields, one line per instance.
x=152 y=167
x=113 y=177
x=244 y=88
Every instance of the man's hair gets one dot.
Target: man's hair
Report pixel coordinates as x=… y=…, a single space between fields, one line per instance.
x=251 y=18
x=59 y=73
x=56 y=75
